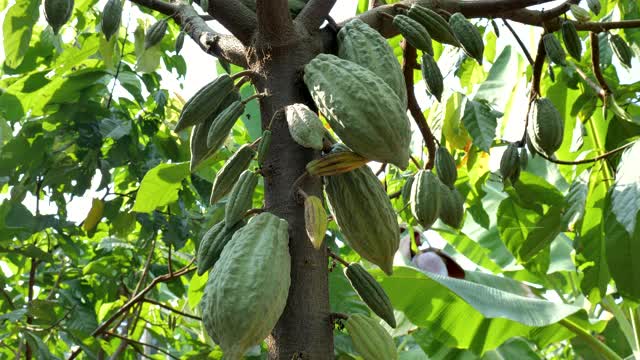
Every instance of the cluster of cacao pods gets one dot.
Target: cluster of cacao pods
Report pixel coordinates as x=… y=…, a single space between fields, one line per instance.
x=513 y=161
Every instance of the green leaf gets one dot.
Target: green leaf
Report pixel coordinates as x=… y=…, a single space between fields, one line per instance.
x=514 y=224
x=481 y=122
x=160 y=186
x=544 y=232
x=622 y=250
x=576 y=199
x=516 y=348
x=498 y=86
x=452 y=128
x=17 y=28
x=625 y=194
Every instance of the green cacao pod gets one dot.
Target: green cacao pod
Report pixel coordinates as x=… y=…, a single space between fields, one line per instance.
x=155 y=33
x=370 y=292
x=111 y=15
x=405 y=192
x=205 y=103
x=358 y=107
x=432 y=76
x=370 y=339
x=510 y=163
x=340 y=160
x=621 y=49
x=180 y=41
x=240 y=198
x=425 y=198
x=213 y=241
x=553 y=49
x=361 y=44
x=315 y=220
x=305 y=126
x=263 y=148
x=524 y=158
x=546 y=126
x=364 y=213
x=230 y=172
x=204 y=5
x=571 y=40
x=579 y=13
x=247 y=289
x=199 y=149
x=57 y=13
x=223 y=124
x=446 y=167
x=469 y=37
x=414 y=33
x=435 y=24
x=595 y=6
x=451 y=206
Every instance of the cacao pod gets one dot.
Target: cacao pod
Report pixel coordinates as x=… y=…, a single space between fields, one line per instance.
x=524 y=159
x=263 y=148
x=339 y=160
x=57 y=13
x=579 y=13
x=205 y=103
x=510 y=163
x=111 y=15
x=595 y=6
x=621 y=49
x=248 y=287
x=180 y=41
x=358 y=107
x=370 y=339
x=230 y=172
x=451 y=209
x=361 y=44
x=546 y=126
x=199 y=149
x=155 y=33
x=222 y=125
x=305 y=126
x=446 y=167
x=432 y=76
x=370 y=292
x=204 y=5
x=213 y=241
x=405 y=192
x=553 y=49
x=425 y=198
x=495 y=27
x=469 y=37
x=315 y=220
x=364 y=213
x=240 y=198
x=414 y=33
x=571 y=40
x=435 y=24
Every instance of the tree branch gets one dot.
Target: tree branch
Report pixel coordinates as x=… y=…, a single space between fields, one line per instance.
x=274 y=21
x=585 y=161
x=136 y=342
x=522 y=46
x=314 y=13
x=235 y=17
x=595 y=61
x=167 y=307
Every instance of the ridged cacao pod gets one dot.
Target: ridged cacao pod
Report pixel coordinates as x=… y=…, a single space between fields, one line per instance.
x=595 y=6
x=340 y=160
x=446 y=167
x=621 y=49
x=315 y=220
x=230 y=172
x=57 y=13
x=524 y=158
x=155 y=33
x=111 y=15
x=405 y=192
x=361 y=44
x=222 y=125
x=370 y=292
x=579 y=13
x=364 y=213
x=553 y=49
x=199 y=149
x=213 y=241
x=435 y=24
x=358 y=107
x=451 y=209
x=263 y=147
x=425 y=198
x=510 y=163
x=546 y=127
x=305 y=126
x=180 y=41
x=205 y=103
x=370 y=339
x=248 y=287
x=432 y=76
x=468 y=36
x=414 y=32
x=571 y=40
x=240 y=198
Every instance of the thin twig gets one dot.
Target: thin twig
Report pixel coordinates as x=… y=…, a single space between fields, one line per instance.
x=595 y=61
x=132 y=341
x=596 y=88
x=115 y=77
x=585 y=161
x=151 y=301
x=338 y=258
x=522 y=46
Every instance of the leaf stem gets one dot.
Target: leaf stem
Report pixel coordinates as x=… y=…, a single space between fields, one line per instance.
x=596 y=344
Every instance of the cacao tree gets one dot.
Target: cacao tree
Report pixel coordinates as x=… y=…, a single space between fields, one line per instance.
x=412 y=180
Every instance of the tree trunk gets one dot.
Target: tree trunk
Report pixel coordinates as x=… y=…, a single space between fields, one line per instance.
x=304 y=330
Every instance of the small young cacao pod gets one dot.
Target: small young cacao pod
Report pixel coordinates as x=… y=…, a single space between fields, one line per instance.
x=451 y=206
x=230 y=172
x=595 y=6
x=155 y=33
x=57 y=13
x=263 y=147
x=425 y=198
x=553 y=49
x=222 y=125
x=435 y=24
x=205 y=103
x=315 y=220
x=370 y=292
x=414 y=33
x=370 y=339
x=432 y=76
x=621 y=49
x=338 y=161
x=240 y=198
x=571 y=40
x=468 y=36
x=546 y=126
x=213 y=241
x=180 y=41
x=305 y=126
x=446 y=167
x=510 y=163
x=111 y=15
x=579 y=13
